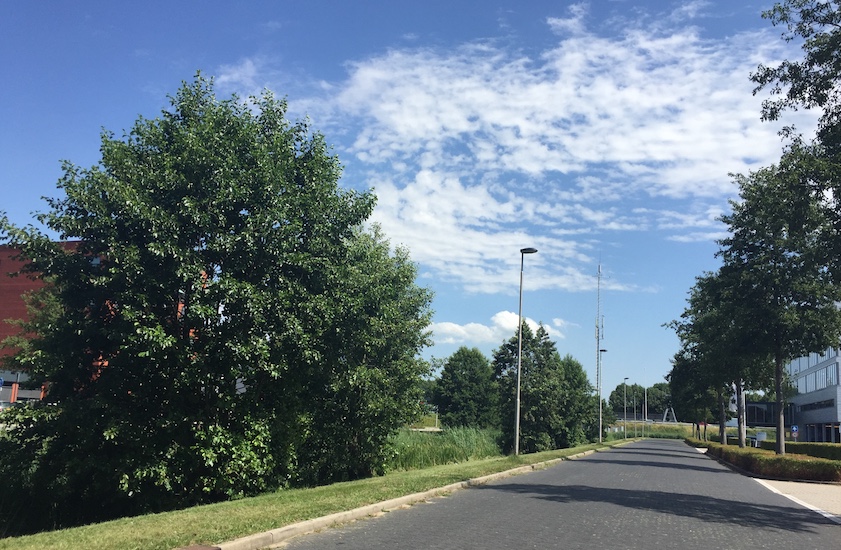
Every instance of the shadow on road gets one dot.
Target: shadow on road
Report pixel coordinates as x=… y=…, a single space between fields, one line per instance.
x=669 y=465
x=704 y=508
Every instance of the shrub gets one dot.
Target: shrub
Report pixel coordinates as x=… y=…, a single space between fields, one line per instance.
x=768 y=464
x=831 y=451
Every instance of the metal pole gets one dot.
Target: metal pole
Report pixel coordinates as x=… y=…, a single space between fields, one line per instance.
x=598 y=346
x=601 y=425
x=625 y=408
x=523 y=252
x=519 y=362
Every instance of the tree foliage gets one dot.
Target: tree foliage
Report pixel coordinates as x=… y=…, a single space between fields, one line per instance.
x=775 y=296
x=693 y=395
x=718 y=342
x=787 y=298
x=557 y=406
x=813 y=81
x=467 y=393
x=659 y=399
x=224 y=326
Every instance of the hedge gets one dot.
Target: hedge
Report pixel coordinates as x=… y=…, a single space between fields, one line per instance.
x=831 y=451
x=768 y=464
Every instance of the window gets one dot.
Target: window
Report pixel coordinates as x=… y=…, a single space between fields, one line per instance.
x=832 y=375
x=820 y=379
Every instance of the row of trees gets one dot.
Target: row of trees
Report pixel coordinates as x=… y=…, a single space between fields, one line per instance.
x=657 y=397
x=777 y=292
x=225 y=326
x=557 y=410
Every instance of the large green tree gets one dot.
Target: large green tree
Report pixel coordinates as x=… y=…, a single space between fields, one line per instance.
x=224 y=326
x=557 y=407
x=659 y=399
x=618 y=403
x=466 y=394
x=694 y=395
x=812 y=82
x=787 y=300
x=716 y=339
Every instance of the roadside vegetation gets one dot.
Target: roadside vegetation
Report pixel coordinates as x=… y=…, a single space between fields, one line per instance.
x=420 y=449
x=775 y=296
x=226 y=521
x=767 y=463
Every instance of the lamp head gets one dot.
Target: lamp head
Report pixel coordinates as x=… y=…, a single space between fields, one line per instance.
x=528 y=250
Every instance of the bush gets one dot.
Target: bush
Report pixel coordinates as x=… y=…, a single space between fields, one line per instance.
x=830 y=451
x=768 y=464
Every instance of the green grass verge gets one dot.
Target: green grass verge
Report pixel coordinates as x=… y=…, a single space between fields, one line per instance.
x=226 y=521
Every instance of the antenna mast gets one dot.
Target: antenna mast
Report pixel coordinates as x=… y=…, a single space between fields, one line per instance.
x=599 y=336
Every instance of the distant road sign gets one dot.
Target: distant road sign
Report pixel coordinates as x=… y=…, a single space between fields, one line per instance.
x=794 y=429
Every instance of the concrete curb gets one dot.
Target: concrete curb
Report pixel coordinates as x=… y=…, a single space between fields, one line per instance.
x=276 y=536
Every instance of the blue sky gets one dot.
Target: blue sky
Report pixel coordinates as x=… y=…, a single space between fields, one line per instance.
x=596 y=132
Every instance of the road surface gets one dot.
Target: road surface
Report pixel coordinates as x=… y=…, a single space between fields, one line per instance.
x=652 y=494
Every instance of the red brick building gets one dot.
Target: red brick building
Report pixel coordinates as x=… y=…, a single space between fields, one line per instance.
x=12 y=306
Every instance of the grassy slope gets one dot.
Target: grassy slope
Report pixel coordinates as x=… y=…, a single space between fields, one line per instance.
x=230 y=520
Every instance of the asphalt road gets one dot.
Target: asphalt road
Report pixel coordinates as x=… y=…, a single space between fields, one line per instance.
x=647 y=495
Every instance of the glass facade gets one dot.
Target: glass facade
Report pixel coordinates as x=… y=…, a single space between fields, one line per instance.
x=816 y=379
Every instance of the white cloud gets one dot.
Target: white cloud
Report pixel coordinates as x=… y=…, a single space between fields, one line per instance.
x=574 y=24
x=477 y=151
x=503 y=326
x=242 y=77
x=674 y=114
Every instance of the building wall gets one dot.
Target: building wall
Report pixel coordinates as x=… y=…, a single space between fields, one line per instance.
x=12 y=306
x=11 y=290
x=818 y=401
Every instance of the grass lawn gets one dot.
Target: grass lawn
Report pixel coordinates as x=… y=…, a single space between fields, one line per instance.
x=226 y=521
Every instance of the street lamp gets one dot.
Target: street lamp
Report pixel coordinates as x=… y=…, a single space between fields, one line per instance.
x=599 y=377
x=625 y=408
x=523 y=252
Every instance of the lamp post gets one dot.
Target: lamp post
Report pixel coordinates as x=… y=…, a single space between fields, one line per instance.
x=625 y=408
x=523 y=252
x=599 y=377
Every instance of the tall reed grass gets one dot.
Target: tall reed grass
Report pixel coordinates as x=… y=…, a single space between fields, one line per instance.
x=414 y=450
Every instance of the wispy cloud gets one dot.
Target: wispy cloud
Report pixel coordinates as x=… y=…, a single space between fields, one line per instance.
x=480 y=150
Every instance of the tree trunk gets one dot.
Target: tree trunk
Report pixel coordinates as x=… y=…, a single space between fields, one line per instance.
x=778 y=385
x=722 y=418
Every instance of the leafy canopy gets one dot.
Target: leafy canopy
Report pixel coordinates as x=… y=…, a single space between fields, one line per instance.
x=225 y=325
